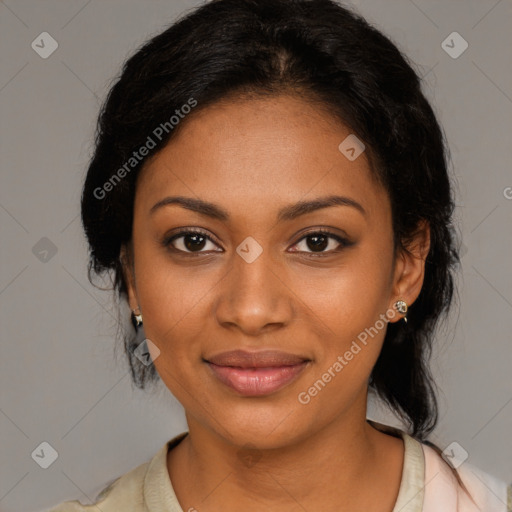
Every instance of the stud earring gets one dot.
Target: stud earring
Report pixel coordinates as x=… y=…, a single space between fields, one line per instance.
x=401 y=307
x=136 y=318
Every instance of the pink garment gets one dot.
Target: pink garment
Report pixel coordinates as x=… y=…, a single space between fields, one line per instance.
x=443 y=492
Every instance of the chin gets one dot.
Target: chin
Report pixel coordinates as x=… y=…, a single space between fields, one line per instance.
x=265 y=428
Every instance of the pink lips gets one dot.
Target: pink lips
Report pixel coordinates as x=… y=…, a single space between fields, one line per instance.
x=256 y=373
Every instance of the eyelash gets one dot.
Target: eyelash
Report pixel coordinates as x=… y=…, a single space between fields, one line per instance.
x=167 y=241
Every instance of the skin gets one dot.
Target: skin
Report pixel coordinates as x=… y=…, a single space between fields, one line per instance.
x=253 y=156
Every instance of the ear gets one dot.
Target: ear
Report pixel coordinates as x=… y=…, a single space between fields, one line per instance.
x=126 y=258
x=410 y=268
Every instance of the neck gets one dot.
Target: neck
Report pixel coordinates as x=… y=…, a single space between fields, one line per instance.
x=335 y=467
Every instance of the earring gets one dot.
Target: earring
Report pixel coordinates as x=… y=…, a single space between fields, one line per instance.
x=401 y=307
x=136 y=318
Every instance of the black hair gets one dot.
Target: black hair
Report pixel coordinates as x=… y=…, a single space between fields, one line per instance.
x=335 y=58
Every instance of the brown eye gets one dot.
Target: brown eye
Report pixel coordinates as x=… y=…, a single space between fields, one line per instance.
x=190 y=242
x=319 y=241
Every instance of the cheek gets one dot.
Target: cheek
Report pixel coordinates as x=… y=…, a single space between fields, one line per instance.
x=349 y=307
x=171 y=293
x=350 y=297
x=178 y=320
x=172 y=322
x=174 y=311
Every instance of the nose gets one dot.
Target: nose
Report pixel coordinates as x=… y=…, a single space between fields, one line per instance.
x=253 y=296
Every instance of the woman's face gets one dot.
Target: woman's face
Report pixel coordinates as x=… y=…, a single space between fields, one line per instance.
x=267 y=280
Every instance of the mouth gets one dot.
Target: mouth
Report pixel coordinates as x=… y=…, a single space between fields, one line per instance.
x=256 y=373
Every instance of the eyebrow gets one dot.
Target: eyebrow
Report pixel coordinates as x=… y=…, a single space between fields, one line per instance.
x=287 y=213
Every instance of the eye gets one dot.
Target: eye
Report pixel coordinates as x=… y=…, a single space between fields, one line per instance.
x=189 y=241
x=319 y=240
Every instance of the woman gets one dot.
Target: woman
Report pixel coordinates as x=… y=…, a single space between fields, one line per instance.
x=270 y=189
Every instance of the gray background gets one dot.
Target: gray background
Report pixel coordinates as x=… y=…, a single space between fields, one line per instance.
x=60 y=379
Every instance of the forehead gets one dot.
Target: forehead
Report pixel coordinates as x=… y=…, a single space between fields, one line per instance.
x=257 y=153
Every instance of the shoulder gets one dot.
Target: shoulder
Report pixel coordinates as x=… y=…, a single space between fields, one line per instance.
x=148 y=482
x=490 y=493
x=123 y=493
x=443 y=490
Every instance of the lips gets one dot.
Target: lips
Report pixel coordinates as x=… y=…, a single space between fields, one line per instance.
x=256 y=373
x=265 y=359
